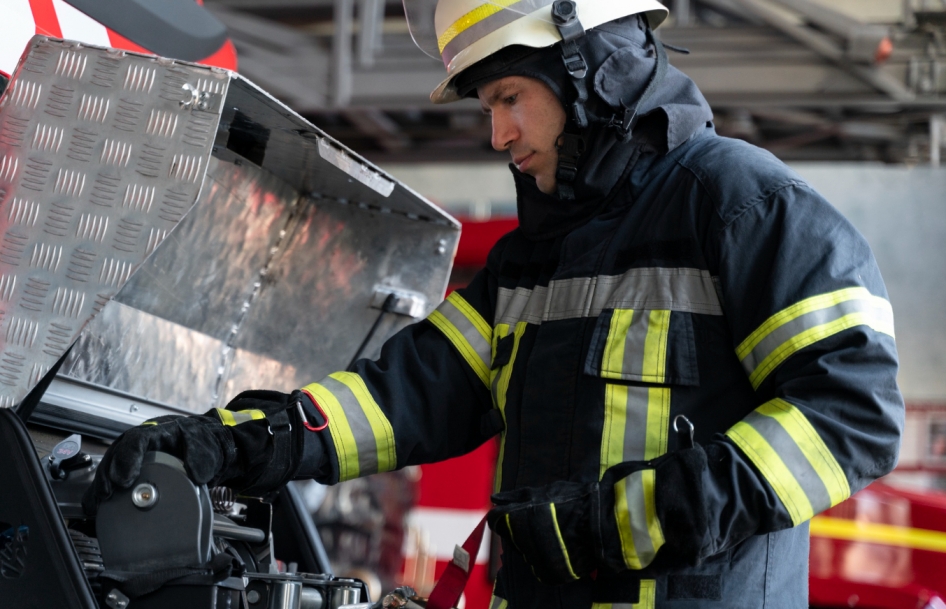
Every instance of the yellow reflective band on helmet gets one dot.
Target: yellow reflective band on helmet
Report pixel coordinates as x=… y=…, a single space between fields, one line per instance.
x=636 y=424
x=487 y=9
x=232 y=419
x=148 y=423
x=636 y=512
x=793 y=458
x=467 y=331
x=808 y=322
x=561 y=541
x=363 y=436
x=500 y=387
x=647 y=600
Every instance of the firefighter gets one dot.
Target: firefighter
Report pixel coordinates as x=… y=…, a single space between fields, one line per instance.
x=687 y=351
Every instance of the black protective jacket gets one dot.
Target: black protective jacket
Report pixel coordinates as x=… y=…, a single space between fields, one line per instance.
x=710 y=281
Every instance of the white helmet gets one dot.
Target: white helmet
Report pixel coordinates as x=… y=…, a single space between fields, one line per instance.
x=463 y=32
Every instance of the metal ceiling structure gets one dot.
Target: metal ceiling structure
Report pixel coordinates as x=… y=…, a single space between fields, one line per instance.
x=794 y=76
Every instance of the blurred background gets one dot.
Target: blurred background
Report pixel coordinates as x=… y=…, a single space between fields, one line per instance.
x=850 y=93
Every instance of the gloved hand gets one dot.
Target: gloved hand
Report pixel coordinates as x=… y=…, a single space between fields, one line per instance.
x=254 y=445
x=567 y=530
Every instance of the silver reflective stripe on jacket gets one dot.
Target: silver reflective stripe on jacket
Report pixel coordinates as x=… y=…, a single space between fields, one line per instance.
x=675 y=289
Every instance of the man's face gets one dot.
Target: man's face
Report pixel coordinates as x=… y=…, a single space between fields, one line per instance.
x=527 y=120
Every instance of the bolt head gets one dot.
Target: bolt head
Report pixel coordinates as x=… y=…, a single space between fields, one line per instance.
x=144 y=496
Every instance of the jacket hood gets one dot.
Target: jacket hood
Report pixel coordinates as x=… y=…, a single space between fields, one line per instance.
x=620 y=61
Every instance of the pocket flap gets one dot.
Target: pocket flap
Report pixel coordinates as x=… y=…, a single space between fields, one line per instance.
x=644 y=345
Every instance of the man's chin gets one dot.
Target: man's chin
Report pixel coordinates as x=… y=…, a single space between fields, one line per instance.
x=545 y=184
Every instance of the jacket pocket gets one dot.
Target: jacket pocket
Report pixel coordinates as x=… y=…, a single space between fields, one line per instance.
x=644 y=345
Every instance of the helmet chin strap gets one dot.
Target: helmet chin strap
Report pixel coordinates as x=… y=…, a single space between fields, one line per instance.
x=571 y=143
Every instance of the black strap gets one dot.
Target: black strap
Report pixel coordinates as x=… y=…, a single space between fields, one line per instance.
x=571 y=143
x=280 y=425
x=625 y=124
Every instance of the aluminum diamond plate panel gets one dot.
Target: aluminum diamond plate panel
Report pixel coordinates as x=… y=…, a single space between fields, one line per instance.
x=101 y=154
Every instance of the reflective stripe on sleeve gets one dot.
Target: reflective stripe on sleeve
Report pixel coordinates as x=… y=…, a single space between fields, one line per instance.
x=232 y=419
x=467 y=331
x=363 y=437
x=793 y=458
x=636 y=347
x=808 y=322
x=674 y=289
x=561 y=542
x=636 y=514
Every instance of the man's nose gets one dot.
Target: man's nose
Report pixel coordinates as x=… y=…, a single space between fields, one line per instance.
x=504 y=132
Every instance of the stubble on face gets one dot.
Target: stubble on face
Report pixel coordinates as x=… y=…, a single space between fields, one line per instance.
x=527 y=120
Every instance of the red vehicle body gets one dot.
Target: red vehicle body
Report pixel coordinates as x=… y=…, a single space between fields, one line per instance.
x=884 y=548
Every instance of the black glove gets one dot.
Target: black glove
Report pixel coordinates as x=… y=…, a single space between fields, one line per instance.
x=567 y=530
x=255 y=445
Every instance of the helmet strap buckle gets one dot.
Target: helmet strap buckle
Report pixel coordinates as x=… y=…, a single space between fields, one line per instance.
x=570 y=147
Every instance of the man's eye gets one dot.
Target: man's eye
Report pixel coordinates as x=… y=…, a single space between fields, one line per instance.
x=511 y=99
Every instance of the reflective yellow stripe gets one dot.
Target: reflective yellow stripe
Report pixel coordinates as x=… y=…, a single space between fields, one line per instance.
x=561 y=542
x=774 y=469
x=636 y=346
x=812 y=446
x=467 y=331
x=793 y=458
x=636 y=513
x=232 y=419
x=500 y=380
x=363 y=436
x=885 y=534
x=636 y=424
x=147 y=423
x=655 y=347
x=509 y=528
x=613 y=358
x=808 y=322
x=647 y=600
x=470 y=19
x=497 y=603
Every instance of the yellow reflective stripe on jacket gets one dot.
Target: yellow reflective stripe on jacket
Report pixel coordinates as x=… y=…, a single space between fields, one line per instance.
x=561 y=541
x=498 y=603
x=500 y=386
x=793 y=458
x=467 y=331
x=636 y=424
x=647 y=600
x=363 y=437
x=636 y=513
x=636 y=346
x=232 y=419
x=808 y=322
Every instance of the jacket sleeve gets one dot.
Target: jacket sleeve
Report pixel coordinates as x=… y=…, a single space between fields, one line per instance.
x=813 y=330
x=424 y=399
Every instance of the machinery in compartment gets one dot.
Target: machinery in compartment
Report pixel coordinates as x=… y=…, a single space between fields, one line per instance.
x=171 y=235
